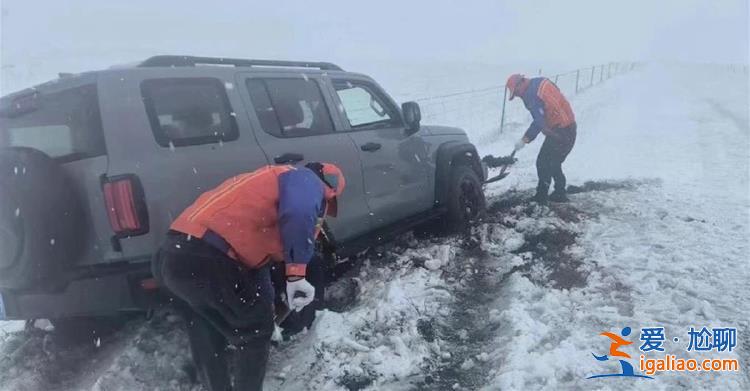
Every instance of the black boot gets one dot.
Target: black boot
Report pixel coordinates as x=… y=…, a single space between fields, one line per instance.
x=540 y=198
x=542 y=189
x=558 y=196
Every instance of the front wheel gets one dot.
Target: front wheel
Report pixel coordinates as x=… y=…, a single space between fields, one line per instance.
x=465 y=200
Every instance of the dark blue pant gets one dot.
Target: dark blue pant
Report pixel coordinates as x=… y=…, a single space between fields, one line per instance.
x=225 y=303
x=555 y=149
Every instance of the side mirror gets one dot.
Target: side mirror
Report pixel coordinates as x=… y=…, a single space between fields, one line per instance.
x=412 y=116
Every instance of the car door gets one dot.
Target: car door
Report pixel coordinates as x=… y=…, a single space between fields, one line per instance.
x=294 y=125
x=395 y=161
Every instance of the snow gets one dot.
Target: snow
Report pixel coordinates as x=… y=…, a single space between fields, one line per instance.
x=659 y=239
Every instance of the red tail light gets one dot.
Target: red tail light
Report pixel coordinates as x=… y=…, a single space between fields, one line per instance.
x=149 y=284
x=126 y=208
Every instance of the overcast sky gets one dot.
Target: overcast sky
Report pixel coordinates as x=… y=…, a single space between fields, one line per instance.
x=96 y=33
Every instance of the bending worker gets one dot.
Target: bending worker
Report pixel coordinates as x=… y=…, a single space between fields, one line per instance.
x=217 y=259
x=552 y=116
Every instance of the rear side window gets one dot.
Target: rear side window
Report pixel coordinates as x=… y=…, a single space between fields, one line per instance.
x=66 y=125
x=188 y=111
x=290 y=107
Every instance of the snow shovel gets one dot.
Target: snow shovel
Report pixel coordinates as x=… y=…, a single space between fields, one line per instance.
x=504 y=162
x=281 y=312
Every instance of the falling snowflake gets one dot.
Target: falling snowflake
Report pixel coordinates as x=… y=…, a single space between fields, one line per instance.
x=52 y=242
x=18 y=212
x=171 y=146
x=229 y=86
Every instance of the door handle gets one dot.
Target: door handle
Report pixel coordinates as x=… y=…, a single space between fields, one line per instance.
x=370 y=147
x=289 y=157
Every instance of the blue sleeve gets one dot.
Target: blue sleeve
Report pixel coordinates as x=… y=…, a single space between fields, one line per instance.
x=536 y=107
x=300 y=205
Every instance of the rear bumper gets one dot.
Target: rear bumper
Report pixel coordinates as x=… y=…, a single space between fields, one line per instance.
x=104 y=294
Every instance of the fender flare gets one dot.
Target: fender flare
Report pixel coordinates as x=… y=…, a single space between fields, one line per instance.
x=448 y=155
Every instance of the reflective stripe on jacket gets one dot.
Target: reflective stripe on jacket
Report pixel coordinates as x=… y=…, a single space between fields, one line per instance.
x=269 y=214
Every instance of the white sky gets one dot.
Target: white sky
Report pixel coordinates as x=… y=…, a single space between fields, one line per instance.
x=91 y=34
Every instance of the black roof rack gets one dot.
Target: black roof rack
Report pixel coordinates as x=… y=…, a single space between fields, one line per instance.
x=191 y=61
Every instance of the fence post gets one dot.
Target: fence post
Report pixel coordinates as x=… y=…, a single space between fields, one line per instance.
x=578 y=77
x=556 y=76
x=591 y=82
x=601 y=73
x=502 y=115
x=540 y=71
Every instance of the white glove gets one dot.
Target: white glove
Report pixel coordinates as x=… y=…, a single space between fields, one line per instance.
x=519 y=145
x=299 y=293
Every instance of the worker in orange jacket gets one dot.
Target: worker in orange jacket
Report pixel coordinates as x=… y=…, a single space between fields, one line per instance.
x=217 y=258
x=552 y=116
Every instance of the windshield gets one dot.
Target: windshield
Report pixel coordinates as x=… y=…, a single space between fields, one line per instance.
x=65 y=125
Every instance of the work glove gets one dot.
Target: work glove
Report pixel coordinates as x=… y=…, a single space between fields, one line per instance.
x=299 y=293
x=519 y=145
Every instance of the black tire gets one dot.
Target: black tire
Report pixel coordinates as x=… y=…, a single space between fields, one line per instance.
x=41 y=219
x=86 y=329
x=465 y=199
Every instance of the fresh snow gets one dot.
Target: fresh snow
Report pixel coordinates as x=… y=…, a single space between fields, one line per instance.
x=660 y=238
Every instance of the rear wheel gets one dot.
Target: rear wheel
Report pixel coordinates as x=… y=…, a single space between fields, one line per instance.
x=82 y=329
x=465 y=199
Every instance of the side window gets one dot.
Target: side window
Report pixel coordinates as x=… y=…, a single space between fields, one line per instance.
x=363 y=107
x=290 y=107
x=188 y=111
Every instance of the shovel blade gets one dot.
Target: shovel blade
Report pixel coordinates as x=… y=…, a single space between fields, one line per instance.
x=497 y=177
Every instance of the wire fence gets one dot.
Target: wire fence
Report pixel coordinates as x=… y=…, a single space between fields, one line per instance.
x=484 y=112
x=739 y=68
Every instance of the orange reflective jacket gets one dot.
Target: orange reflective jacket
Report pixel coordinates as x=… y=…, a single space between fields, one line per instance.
x=243 y=211
x=548 y=107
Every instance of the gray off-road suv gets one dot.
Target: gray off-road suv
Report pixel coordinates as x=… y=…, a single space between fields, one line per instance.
x=95 y=166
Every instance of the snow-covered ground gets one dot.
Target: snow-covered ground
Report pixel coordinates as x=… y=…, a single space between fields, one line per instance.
x=660 y=238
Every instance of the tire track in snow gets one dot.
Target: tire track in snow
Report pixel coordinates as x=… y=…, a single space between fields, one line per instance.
x=515 y=238
x=468 y=326
x=480 y=275
x=34 y=359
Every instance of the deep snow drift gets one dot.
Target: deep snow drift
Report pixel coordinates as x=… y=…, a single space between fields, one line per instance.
x=660 y=239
